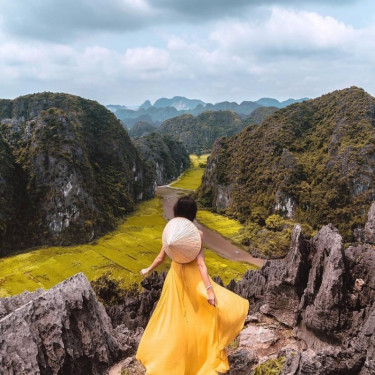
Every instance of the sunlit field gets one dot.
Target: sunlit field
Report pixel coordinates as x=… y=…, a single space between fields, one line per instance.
x=123 y=253
x=222 y=224
x=191 y=179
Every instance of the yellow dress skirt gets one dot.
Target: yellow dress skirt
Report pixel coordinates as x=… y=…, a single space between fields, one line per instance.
x=186 y=335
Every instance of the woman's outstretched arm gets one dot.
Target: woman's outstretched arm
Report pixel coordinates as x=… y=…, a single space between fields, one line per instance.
x=205 y=277
x=158 y=260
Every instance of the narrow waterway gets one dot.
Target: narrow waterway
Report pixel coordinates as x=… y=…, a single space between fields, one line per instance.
x=213 y=240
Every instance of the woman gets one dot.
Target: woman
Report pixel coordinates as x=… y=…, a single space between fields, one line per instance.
x=195 y=318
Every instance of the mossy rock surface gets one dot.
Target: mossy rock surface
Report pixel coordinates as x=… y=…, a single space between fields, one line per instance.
x=165 y=157
x=311 y=162
x=76 y=171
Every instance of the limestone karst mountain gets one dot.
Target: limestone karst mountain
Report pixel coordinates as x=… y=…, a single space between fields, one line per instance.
x=72 y=166
x=165 y=158
x=312 y=161
x=164 y=109
x=199 y=133
x=141 y=129
x=178 y=102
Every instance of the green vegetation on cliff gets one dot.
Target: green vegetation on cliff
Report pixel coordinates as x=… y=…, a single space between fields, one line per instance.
x=80 y=171
x=141 y=129
x=199 y=133
x=312 y=162
x=165 y=158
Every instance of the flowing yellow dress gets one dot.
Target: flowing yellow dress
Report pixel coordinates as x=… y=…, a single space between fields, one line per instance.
x=186 y=335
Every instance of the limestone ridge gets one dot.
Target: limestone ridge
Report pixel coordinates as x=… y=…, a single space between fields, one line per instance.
x=141 y=129
x=74 y=168
x=164 y=109
x=327 y=294
x=64 y=330
x=312 y=161
x=199 y=133
x=164 y=157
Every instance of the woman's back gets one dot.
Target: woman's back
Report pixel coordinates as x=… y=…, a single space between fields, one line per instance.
x=186 y=335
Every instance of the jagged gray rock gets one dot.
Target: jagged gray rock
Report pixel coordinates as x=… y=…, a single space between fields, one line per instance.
x=328 y=295
x=324 y=300
x=277 y=288
x=137 y=309
x=370 y=225
x=64 y=330
x=9 y=304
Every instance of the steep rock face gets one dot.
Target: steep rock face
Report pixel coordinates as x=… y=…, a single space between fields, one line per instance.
x=259 y=115
x=199 y=133
x=80 y=168
x=166 y=158
x=137 y=308
x=141 y=128
x=327 y=295
x=313 y=161
x=62 y=331
x=12 y=200
x=325 y=298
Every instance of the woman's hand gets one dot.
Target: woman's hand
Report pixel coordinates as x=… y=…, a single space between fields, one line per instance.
x=211 y=297
x=144 y=271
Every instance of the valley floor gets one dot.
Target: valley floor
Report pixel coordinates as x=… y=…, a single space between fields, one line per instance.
x=121 y=253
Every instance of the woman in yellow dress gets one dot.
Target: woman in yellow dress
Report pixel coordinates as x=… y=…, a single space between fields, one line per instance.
x=195 y=318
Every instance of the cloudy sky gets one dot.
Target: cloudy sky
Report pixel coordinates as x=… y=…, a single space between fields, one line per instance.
x=127 y=51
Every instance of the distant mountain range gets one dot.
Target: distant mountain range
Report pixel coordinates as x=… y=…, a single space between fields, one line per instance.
x=164 y=109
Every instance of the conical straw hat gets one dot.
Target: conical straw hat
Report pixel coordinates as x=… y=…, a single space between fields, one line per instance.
x=181 y=240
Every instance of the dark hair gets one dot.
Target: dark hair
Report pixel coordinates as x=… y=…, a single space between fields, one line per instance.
x=185 y=207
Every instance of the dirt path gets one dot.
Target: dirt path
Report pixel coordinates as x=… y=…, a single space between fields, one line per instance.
x=212 y=239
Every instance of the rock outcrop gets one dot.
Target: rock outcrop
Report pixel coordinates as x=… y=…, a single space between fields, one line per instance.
x=64 y=330
x=141 y=128
x=164 y=157
x=198 y=133
x=327 y=294
x=137 y=308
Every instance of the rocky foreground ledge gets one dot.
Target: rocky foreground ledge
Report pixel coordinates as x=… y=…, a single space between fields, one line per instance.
x=315 y=309
x=64 y=330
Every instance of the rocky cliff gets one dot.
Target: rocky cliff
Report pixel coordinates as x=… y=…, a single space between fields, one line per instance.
x=141 y=128
x=74 y=166
x=64 y=330
x=199 y=133
x=164 y=157
x=326 y=293
x=313 y=162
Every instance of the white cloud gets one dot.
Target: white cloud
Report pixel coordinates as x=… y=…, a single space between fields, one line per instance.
x=286 y=31
x=284 y=53
x=145 y=59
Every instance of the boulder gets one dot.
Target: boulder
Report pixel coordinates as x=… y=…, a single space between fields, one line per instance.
x=64 y=330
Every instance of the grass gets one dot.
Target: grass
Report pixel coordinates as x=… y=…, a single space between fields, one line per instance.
x=227 y=227
x=192 y=178
x=122 y=253
x=271 y=367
